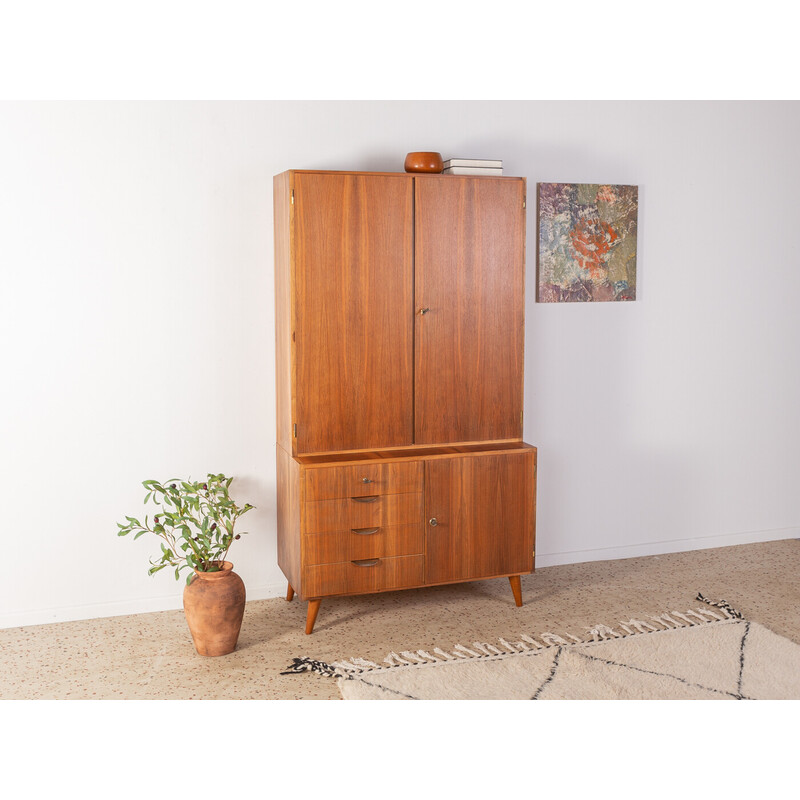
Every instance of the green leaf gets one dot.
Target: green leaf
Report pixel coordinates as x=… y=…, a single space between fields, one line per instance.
x=147 y=497
x=123 y=532
x=133 y=520
x=177 y=573
x=141 y=533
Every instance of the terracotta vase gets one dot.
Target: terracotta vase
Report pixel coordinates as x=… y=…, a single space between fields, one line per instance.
x=424 y=162
x=214 y=607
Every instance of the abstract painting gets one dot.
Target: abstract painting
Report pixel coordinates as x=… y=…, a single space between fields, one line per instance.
x=587 y=242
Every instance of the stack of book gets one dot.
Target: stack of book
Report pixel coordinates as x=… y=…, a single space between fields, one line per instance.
x=472 y=166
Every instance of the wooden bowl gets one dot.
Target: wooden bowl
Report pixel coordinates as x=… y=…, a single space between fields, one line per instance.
x=424 y=162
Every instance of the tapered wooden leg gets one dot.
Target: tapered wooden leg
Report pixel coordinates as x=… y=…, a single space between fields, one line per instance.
x=289 y=593
x=516 y=588
x=311 y=617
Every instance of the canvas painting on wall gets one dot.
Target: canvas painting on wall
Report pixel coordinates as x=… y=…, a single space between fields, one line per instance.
x=587 y=242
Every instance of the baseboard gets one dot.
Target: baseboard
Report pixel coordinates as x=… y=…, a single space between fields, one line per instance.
x=661 y=548
x=120 y=608
x=171 y=602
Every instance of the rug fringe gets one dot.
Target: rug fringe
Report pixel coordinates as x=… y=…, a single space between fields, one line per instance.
x=671 y=620
x=724 y=605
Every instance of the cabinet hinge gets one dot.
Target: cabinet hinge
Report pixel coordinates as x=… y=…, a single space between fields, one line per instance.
x=294 y=430
x=292 y=196
x=524 y=202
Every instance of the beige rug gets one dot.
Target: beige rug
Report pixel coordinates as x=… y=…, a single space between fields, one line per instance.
x=699 y=654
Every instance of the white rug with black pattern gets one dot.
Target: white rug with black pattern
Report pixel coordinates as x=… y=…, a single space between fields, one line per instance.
x=699 y=654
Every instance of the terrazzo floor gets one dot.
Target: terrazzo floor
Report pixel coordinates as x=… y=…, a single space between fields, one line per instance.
x=150 y=656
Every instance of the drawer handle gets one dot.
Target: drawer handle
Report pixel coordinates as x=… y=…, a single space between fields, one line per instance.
x=373 y=498
x=366 y=562
x=365 y=531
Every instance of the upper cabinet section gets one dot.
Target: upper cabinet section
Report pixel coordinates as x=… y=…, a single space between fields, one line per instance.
x=470 y=281
x=399 y=309
x=354 y=351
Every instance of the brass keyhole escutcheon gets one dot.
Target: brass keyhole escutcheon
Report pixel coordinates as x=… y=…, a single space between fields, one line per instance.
x=423 y=311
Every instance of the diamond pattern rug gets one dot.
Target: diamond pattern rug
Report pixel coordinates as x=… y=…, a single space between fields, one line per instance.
x=699 y=654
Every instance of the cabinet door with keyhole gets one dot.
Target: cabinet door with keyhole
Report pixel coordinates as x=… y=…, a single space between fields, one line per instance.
x=479 y=514
x=470 y=305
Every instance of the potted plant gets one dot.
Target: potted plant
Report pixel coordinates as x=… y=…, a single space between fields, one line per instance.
x=195 y=523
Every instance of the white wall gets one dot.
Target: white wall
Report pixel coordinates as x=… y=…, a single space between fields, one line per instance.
x=136 y=321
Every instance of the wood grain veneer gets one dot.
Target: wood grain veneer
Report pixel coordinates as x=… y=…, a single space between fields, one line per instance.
x=353 y=245
x=349 y=578
x=483 y=513
x=374 y=542
x=284 y=359
x=362 y=512
x=358 y=481
x=408 y=454
x=470 y=274
x=290 y=503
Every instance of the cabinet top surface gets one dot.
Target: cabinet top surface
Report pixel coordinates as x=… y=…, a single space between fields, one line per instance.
x=426 y=175
x=412 y=454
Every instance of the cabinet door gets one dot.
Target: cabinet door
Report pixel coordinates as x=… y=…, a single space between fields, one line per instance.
x=483 y=509
x=353 y=240
x=470 y=275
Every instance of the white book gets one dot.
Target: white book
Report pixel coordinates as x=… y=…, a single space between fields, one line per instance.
x=473 y=162
x=472 y=171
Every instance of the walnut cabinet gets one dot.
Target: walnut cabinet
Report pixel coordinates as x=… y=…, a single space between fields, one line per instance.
x=399 y=363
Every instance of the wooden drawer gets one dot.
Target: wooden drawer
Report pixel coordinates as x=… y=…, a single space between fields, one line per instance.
x=328 y=483
x=362 y=512
x=331 y=548
x=350 y=578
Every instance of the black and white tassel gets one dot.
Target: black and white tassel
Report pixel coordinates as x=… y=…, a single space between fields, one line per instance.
x=300 y=665
x=723 y=604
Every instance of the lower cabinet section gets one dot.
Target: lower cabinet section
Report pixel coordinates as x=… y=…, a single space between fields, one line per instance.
x=405 y=519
